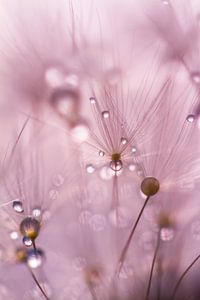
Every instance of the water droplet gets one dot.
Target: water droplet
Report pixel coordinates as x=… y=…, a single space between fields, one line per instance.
x=37 y=213
x=132 y=167
x=195 y=77
x=165 y=2
x=65 y=101
x=90 y=169
x=167 y=234
x=80 y=132
x=27 y=241
x=124 y=141
x=195 y=229
x=120 y=217
x=58 y=180
x=190 y=118
x=34 y=259
x=97 y=222
x=14 y=235
x=18 y=206
x=92 y=100
x=133 y=149
x=106 y=173
x=101 y=153
x=105 y=114
x=116 y=165
x=54 y=77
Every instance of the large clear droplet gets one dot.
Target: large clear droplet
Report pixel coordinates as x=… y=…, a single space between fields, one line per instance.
x=27 y=241
x=133 y=149
x=34 y=258
x=167 y=234
x=116 y=166
x=190 y=118
x=18 y=206
x=105 y=114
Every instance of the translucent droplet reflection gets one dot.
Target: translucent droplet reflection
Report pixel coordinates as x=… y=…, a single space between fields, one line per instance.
x=80 y=132
x=101 y=153
x=90 y=169
x=166 y=234
x=35 y=259
x=14 y=235
x=116 y=166
x=124 y=141
x=92 y=100
x=190 y=118
x=105 y=114
x=195 y=76
x=27 y=241
x=18 y=206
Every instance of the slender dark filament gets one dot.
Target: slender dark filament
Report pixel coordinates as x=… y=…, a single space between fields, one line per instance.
x=125 y=249
x=38 y=284
x=152 y=266
x=183 y=275
x=34 y=247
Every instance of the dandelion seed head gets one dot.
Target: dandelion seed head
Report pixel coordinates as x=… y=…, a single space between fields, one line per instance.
x=150 y=186
x=28 y=242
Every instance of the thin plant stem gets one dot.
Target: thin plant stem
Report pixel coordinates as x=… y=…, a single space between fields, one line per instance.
x=38 y=284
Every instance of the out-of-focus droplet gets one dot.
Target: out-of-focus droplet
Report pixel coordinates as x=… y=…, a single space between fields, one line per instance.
x=92 y=100
x=14 y=235
x=90 y=169
x=195 y=76
x=101 y=153
x=27 y=241
x=37 y=213
x=80 y=132
x=133 y=149
x=106 y=173
x=105 y=114
x=34 y=259
x=72 y=81
x=120 y=217
x=166 y=234
x=124 y=141
x=54 y=77
x=165 y=2
x=132 y=167
x=58 y=180
x=98 y=222
x=53 y=195
x=190 y=118
x=84 y=217
x=116 y=165
x=18 y=206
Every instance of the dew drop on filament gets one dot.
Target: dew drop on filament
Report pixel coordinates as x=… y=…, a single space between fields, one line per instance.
x=18 y=206
x=190 y=118
x=195 y=76
x=105 y=114
x=27 y=241
x=101 y=153
x=34 y=259
x=92 y=100
x=123 y=141
x=90 y=169
x=116 y=166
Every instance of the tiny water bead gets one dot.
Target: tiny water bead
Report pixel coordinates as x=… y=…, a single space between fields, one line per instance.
x=101 y=153
x=150 y=186
x=92 y=100
x=18 y=206
x=190 y=118
x=90 y=169
x=133 y=150
x=30 y=228
x=124 y=141
x=105 y=114
x=27 y=241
